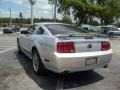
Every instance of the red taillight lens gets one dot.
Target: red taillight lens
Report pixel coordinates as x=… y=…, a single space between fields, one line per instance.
x=65 y=47
x=105 y=46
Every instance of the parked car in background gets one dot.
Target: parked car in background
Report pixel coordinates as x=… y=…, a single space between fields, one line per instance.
x=113 y=31
x=11 y=29
x=104 y=29
x=8 y=30
x=17 y=28
x=96 y=29
x=118 y=29
x=63 y=48
x=111 y=26
x=87 y=27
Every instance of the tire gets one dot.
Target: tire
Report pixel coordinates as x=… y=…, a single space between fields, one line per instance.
x=38 y=66
x=91 y=30
x=18 y=47
x=111 y=34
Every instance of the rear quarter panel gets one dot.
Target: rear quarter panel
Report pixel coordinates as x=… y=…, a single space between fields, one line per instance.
x=46 y=47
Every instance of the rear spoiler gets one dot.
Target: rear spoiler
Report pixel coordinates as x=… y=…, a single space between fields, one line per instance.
x=89 y=36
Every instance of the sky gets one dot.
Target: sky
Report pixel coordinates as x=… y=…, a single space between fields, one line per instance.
x=41 y=9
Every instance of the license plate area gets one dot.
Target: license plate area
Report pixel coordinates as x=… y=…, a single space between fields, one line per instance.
x=91 y=61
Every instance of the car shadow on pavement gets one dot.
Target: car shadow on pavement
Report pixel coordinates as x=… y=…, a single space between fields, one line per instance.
x=80 y=79
x=50 y=80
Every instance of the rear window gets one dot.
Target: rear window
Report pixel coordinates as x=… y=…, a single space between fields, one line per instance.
x=64 y=29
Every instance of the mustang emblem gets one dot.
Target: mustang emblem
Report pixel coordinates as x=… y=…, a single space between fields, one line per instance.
x=89 y=46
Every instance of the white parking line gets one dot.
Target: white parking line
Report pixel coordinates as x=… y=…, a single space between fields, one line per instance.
x=1 y=32
x=16 y=33
x=60 y=83
x=7 y=50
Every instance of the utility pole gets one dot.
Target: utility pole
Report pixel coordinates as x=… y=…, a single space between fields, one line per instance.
x=52 y=5
x=32 y=2
x=52 y=2
x=31 y=13
x=0 y=21
x=55 y=7
x=10 y=17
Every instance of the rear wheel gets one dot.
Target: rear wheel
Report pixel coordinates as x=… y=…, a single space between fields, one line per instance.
x=111 y=34
x=37 y=64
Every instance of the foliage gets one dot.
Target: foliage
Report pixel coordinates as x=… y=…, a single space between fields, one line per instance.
x=93 y=22
x=67 y=20
x=26 y=20
x=106 y=10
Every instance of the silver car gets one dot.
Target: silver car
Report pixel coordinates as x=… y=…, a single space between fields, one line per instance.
x=114 y=31
x=63 y=48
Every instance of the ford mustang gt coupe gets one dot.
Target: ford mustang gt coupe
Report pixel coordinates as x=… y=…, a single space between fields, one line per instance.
x=63 y=48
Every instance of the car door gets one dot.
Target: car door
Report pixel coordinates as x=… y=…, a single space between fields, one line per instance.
x=26 y=39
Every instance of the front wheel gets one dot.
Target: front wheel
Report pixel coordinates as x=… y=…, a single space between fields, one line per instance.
x=18 y=47
x=37 y=64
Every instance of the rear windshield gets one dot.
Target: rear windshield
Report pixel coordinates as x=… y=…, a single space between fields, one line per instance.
x=64 y=29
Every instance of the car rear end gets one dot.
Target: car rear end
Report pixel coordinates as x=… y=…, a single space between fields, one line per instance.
x=79 y=55
x=81 y=52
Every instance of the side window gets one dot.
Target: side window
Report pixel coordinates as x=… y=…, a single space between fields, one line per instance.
x=31 y=29
x=40 y=31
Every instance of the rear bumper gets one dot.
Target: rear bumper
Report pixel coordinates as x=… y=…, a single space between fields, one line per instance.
x=77 y=61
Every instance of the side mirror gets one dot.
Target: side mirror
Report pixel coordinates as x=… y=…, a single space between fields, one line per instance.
x=24 y=32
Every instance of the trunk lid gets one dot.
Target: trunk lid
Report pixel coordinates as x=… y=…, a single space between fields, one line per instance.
x=84 y=42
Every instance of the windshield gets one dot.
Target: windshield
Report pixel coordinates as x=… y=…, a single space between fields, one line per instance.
x=64 y=29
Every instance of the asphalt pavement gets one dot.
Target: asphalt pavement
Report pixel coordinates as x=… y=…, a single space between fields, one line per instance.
x=16 y=72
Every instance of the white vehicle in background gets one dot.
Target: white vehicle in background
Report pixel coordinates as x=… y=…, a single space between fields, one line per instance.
x=114 y=31
x=96 y=29
x=104 y=29
x=110 y=25
x=118 y=29
x=63 y=48
x=87 y=27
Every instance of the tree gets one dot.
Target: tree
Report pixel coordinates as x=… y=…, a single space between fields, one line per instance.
x=101 y=2
x=67 y=20
x=111 y=11
x=82 y=9
x=106 y=10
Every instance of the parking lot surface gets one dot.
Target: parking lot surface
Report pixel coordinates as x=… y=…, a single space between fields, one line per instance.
x=16 y=72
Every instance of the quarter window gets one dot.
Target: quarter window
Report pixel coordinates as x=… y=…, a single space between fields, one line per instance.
x=40 y=31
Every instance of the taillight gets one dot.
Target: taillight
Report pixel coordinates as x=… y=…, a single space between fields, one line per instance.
x=105 y=46
x=65 y=47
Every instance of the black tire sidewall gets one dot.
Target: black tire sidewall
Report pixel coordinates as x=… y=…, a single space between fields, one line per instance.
x=18 y=47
